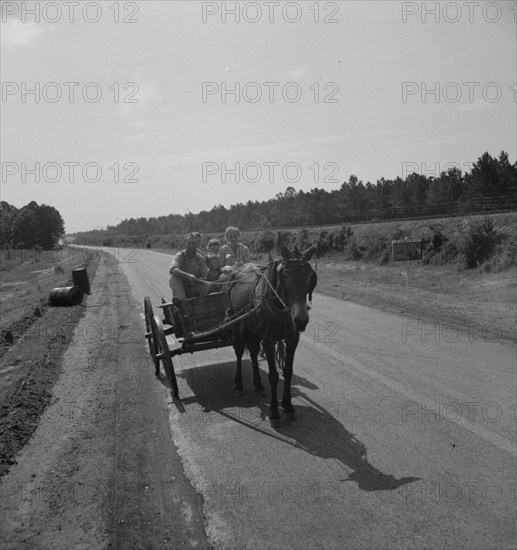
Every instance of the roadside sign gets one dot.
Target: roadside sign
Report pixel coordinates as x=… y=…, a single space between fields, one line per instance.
x=406 y=250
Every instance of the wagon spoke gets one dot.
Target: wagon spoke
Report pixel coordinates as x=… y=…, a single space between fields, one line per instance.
x=164 y=355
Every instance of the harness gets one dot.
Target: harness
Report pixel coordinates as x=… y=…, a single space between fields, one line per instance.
x=270 y=294
x=269 y=304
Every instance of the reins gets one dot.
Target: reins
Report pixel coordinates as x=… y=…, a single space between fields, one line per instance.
x=262 y=296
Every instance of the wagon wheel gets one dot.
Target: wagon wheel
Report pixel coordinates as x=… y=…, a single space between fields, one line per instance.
x=150 y=332
x=280 y=356
x=164 y=354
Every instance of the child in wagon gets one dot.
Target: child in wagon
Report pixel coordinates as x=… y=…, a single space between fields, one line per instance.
x=213 y=263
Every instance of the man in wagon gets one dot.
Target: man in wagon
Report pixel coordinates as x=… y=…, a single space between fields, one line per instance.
x=199 y=239
x=188 y=271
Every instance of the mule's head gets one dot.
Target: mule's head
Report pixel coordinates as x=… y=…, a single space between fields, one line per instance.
x=296 y=282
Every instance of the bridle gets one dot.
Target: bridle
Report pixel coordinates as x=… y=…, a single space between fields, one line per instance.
x=272 y=282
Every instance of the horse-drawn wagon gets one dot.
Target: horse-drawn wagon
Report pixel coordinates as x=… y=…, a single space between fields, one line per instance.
x=259 y=304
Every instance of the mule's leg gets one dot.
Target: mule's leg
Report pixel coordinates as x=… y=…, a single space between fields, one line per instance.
x=239 y=346
x=291 y=344
x=254 y=347
x=269 y=348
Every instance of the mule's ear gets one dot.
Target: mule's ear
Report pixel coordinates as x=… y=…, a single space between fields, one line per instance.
x=312 y=284
x=270 y=255
x=283 y=249
x=307 y=254
x=296 y=252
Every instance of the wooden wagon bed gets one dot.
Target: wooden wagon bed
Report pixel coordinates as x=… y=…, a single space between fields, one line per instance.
x=199 y=324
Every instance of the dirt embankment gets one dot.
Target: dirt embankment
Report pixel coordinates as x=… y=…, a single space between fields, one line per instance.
x=35 y=336
x=100 y=470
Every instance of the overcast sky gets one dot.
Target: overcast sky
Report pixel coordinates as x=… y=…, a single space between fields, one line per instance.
x=321 y=91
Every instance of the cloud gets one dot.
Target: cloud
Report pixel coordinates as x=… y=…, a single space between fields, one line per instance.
x=345 y=137
x=331 y=139
x=15 y=33
x=297 y=73
x=239 y=153
x=136 y=137
x=475 y=106
x=136 y=98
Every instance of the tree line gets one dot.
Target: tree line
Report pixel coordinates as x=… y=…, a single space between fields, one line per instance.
x=31 y=226
x=490 y=185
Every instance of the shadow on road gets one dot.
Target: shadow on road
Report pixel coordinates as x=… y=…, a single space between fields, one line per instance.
x=316 y=430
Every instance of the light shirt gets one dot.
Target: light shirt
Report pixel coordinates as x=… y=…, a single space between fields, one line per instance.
x=242 y=255
x=195 y=266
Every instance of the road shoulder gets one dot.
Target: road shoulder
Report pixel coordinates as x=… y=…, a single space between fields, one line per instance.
x=101 y=470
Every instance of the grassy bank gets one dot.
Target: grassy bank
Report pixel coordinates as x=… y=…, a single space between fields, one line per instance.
x=446 y=240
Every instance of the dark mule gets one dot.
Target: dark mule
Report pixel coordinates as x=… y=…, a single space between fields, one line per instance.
x=281 y=292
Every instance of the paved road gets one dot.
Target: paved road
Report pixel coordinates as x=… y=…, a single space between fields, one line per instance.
x=405 y=437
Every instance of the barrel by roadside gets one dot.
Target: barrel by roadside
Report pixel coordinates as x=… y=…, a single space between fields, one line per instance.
x=66 y=296
x=80 y=278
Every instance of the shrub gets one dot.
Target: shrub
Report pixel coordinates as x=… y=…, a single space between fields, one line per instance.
x=302 y=239
x=480 y=243
x=265 y=241
x=324 y=238
x=375 y=246
x=449 y=252
x=504 y=256
x=352 y=251
x=398 y=234
x=385 y=257
x=341 y=238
